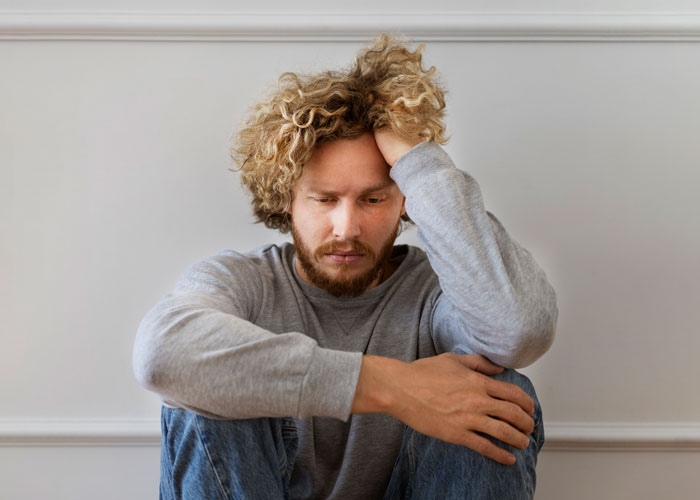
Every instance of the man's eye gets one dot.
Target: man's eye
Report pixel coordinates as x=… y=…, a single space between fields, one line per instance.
x=374 y=201
x=322 y=200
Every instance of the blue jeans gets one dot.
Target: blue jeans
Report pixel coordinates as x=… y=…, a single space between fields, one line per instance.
x=202 y=458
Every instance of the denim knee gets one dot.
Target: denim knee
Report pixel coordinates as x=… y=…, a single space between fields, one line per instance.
x=208 y=458
x=430 y=468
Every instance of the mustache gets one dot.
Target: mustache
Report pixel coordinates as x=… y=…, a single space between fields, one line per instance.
x=332 y=246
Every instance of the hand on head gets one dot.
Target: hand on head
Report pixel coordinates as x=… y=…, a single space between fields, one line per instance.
x=392 y=146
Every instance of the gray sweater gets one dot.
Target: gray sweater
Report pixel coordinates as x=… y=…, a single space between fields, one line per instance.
x=242 y=335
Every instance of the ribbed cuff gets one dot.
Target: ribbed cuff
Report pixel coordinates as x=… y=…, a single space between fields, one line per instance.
x=328 y=388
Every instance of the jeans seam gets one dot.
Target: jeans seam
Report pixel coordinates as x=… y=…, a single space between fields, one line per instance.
x=222 y=490
x=288 y=427
x=411 y=464
x=166 y=459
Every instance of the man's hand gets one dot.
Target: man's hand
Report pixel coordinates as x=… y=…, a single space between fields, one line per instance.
x=392 y=146
x=449 y=397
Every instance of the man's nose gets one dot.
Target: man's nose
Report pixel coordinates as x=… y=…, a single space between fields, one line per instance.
x=346 y=222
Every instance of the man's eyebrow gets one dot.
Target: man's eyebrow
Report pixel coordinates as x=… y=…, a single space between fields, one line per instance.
x=330 y=192
x=378 y=187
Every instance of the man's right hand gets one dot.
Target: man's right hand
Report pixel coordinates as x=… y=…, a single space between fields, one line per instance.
x=449 y=397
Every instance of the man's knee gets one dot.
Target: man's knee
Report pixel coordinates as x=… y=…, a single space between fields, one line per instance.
x=248 y=458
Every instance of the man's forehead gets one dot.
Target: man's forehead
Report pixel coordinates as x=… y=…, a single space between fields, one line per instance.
x=346 y=164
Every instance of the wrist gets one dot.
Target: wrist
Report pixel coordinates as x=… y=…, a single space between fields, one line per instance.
x=377 y=390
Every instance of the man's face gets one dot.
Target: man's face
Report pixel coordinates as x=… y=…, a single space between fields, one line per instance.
x=345 y=216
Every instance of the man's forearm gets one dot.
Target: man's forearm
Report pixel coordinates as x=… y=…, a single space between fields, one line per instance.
x=195 y=353
x=449 y=397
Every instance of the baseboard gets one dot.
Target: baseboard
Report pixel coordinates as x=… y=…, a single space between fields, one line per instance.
x=560 y=436
x=622 y=436
x=353 y=26
x=79 y=432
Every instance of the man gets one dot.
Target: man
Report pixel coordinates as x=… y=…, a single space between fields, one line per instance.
x=343 y=366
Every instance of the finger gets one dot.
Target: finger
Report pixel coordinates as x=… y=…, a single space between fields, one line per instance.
x=503 y=432
x=478 y=363
x=485 y=447
x=514 y=415
x=512 y=393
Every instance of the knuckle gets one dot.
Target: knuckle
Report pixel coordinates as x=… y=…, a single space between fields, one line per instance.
x=468 y=420
x=480 y=404
x=515 y=392
x=531 y=425
x=504 y=429
x=453 y=436
x=511 y=433
x=482 y=447
x=514 y=412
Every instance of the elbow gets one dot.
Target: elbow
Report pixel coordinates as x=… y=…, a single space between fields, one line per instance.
x=529 y=338
x=535 y=335
x=531 y=347
x=148 y=364
x=531 y=322
x=146 y=373
x=147 y=377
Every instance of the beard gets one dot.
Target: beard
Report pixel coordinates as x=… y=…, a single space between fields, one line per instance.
x=352 y=286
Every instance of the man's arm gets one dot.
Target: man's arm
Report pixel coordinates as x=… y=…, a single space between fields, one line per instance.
x=198 y=348
x=449 y=397
x=495 y=300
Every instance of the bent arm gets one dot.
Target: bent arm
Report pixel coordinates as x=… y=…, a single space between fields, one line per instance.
x=197 y=349
x=495 y=300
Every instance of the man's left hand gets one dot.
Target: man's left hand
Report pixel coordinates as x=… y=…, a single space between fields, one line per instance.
x=392 y=146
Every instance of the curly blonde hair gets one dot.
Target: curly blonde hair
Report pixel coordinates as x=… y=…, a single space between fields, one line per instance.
x=386 y=87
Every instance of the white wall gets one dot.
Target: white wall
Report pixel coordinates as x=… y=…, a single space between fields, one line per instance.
x=113 y=179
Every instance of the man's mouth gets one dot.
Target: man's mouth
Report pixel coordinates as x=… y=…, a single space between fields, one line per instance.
x=345 y=256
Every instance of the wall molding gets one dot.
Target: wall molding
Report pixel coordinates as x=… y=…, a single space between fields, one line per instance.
x=79 y=432
x=561 y=436
x=622 y=436
x=313 y=26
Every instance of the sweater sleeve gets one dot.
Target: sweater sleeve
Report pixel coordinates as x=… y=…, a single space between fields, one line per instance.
x=198 y=348
x=494 y=299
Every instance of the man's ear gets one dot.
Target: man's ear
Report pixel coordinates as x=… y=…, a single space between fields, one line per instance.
x=403 y=206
